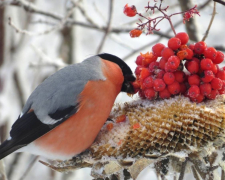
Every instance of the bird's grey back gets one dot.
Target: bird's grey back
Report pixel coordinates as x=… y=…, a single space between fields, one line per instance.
x=62 y=89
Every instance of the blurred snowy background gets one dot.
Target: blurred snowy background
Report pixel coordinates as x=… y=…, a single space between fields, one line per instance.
x=37 y=37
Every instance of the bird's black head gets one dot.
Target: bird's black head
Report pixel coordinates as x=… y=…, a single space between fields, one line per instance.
x=127 y=73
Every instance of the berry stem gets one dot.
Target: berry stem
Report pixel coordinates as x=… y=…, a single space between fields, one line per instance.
x=171 y=24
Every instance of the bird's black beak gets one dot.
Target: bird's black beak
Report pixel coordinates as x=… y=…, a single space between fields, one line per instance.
x=127 y=84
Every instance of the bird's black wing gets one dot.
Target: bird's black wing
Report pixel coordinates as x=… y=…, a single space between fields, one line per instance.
x=28 y=128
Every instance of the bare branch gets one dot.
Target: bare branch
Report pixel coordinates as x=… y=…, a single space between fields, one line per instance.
x=220 y=1
x=18 y=30
x=108 y=26
x=32 y=9
x=210 y=23
x=220 y=48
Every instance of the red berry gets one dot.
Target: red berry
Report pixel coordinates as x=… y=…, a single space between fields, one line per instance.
x=207 y=76
x=129 y=10
x=194 y=80
x=174 y=88
x=194 y=91
x=196 y=60
x=192 y=67
x=166 y=53
x=206 y=64
x=135 y=33
x=219 y=57
x=180 y=76
x=159 y=73
x=205 y=89
x=157 y=49
x=138 y=70
x=221 y=74
x=159 y=85
x=214 y=68
x=141 y=94
x=183 y=47
x=144 y=73
x=169 y=78
x=150 y=93
x=190 y=53
x=217 y=83
x=183 y=37
x=199 y=47
x=147 y=83
x=213 y=94
x=210 y=53
x=182 y=54
x=162 y=63
x=148 y=58
x=174 y=43
x=183 y=88
x=192 y=46
x=198 y=99
x=153 y=66
x=139 y=60
x=168 y=68
x=164 y=94
x=173 y=62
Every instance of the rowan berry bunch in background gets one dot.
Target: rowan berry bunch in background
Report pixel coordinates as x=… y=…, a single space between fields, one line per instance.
x=178 y=68
x=150 y=25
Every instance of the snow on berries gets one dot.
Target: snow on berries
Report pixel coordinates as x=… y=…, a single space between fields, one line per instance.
x=191 y=70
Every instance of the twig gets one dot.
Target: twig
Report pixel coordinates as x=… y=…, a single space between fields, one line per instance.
x=54 y=28
x=220 y=1
x=149 y=44
x=195 y=173
x=84 y=13
x=204 y=4
x=108 y=26
x=210 y=23
x=222 y=175
x=220 y=48
x=29 y=168
x=32 y=9
x=18 y=30
x=183 y=168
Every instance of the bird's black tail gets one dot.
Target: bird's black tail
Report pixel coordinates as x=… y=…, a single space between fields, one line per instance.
x=7 y=147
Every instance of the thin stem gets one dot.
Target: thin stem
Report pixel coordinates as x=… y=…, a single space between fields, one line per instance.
x=171 y=24
x=210 y=23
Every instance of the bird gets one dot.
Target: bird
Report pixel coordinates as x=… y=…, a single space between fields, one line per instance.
x=64 y=114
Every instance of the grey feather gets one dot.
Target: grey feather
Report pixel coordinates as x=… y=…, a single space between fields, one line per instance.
x=62 y=89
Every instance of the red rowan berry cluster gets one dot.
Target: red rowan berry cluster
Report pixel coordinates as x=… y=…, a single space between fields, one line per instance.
x=180 y=69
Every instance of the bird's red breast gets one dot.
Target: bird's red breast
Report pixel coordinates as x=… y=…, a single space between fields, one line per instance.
x=79 y=131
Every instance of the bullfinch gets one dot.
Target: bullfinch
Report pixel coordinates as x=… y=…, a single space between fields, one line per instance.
x=64 y=114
